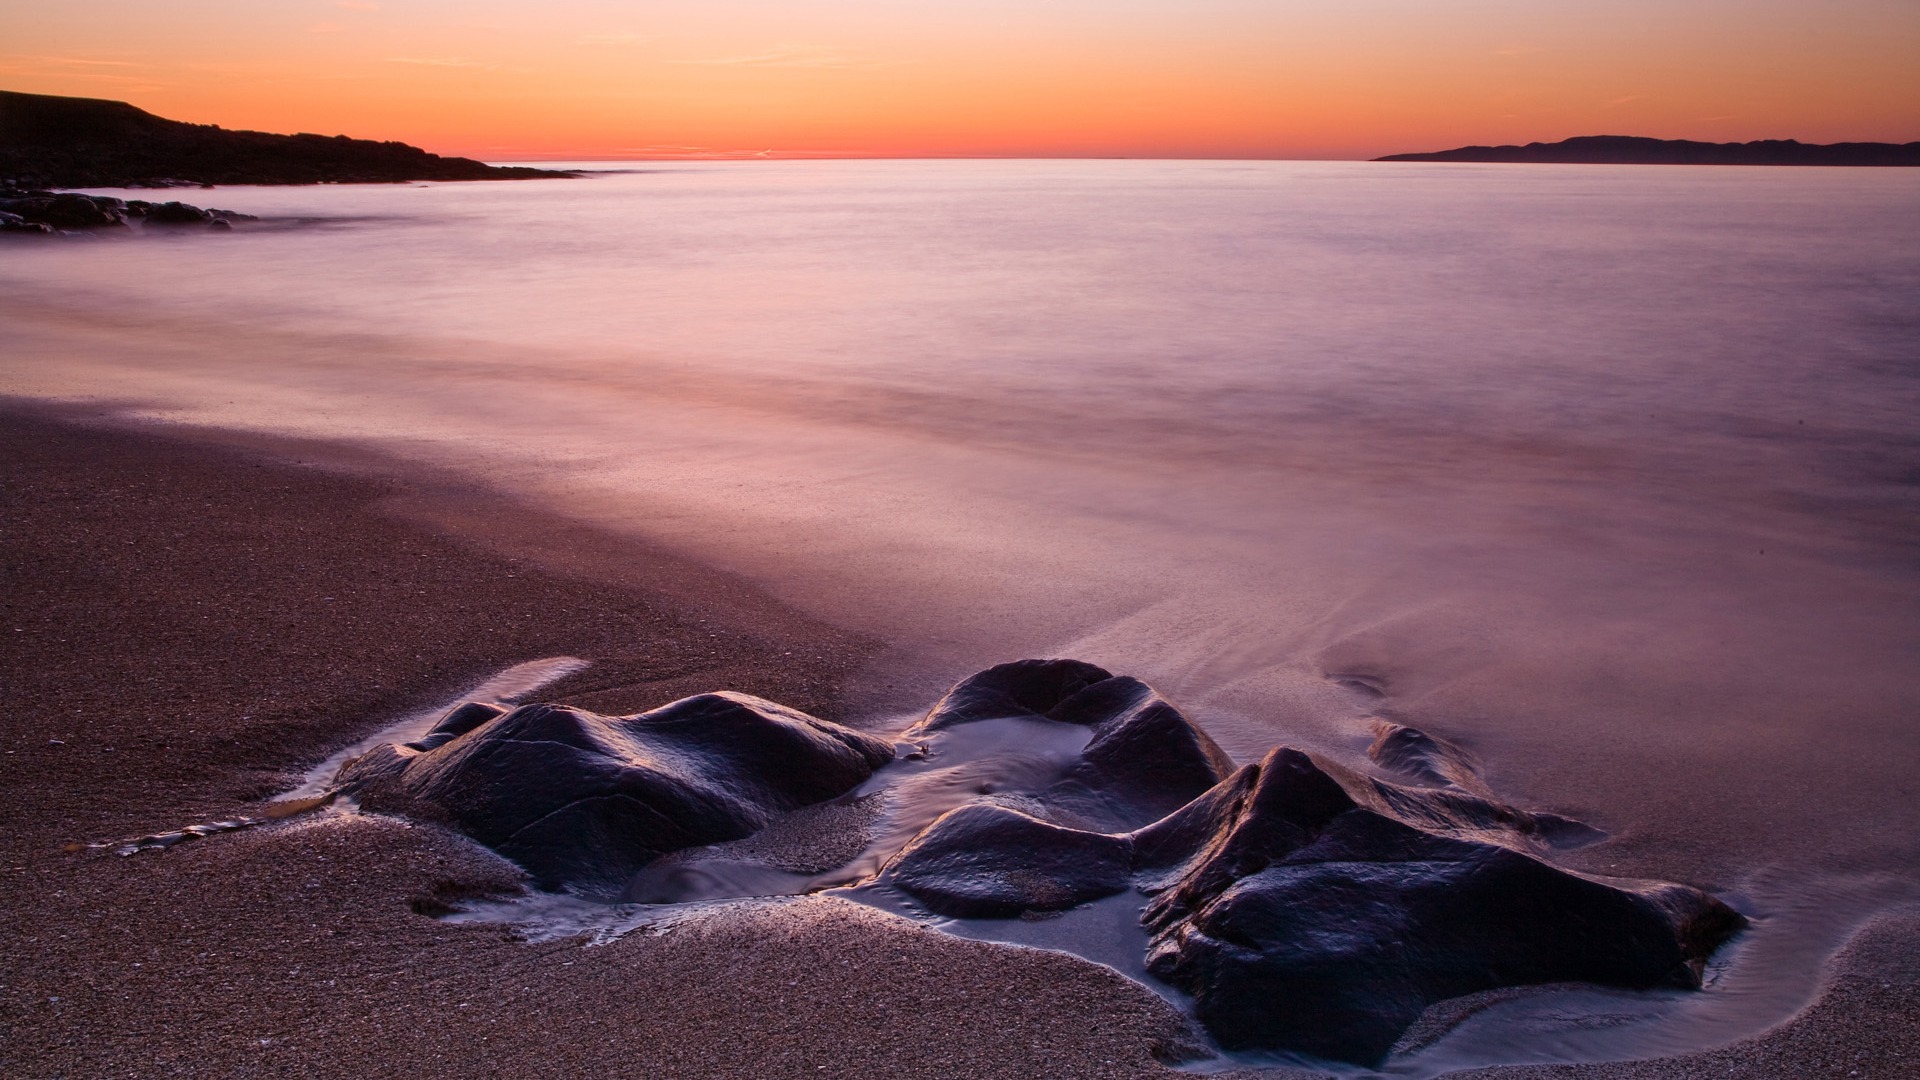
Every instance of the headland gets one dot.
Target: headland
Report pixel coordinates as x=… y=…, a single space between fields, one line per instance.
x=48 y=141
x=1634 y=150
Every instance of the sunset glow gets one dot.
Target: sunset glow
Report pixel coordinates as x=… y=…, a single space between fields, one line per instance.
x=1208 y=78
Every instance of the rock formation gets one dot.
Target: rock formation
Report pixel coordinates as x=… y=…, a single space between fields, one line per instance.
x=583 y=800
x=1310 y=909
x=1307 y=907
x=52 y=212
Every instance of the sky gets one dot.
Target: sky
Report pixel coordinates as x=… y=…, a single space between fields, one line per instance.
x=571 y=79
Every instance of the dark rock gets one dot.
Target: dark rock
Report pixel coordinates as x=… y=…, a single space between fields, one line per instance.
x=176 y=213
x=1146 y=760
x=1306 y=907
x=984 y=861
x=1315 y=917
x=14 y=223
x=65 y=211
x=457 y=723
x=1024 y=688
x=583 y=800
x=45 y=211
x=1427 y=759
x=220 y=225
x=1419 y=756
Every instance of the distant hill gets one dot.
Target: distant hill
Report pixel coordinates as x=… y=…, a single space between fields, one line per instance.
x=1629 y=150
x=48 y=141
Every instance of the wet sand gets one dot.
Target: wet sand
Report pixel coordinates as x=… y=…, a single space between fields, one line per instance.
x=187 y=626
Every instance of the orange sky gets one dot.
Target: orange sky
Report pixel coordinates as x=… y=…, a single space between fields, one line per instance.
x=503 y=79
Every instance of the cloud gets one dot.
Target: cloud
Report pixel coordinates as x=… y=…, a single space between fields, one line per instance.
x=814 y=56
x=1518 y=50
x=325 y=28
x=615 y=37
x=141 y=81
x=356 y=5
x=77 y=61
x=438 y=61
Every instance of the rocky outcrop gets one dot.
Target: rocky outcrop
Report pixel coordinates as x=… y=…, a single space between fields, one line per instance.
x=1023 y=688
x=586 y=801
x=986 y=861
x=59 y=211
x=1144 y=759
x=49 y=212
x=1307 y=907
x=49 y=141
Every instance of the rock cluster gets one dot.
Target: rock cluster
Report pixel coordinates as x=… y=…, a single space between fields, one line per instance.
x=1306 y=907
x=586 y=801
x=33 y=211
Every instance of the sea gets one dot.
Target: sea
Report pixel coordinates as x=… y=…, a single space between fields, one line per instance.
x=1609 y=473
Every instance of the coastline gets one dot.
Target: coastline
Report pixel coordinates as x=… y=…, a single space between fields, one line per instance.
x=194 y=623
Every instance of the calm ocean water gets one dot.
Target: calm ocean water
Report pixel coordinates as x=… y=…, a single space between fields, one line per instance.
x=1612 y=474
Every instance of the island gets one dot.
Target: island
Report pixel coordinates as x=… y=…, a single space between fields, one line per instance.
x=1632 y=150
x=68 y=142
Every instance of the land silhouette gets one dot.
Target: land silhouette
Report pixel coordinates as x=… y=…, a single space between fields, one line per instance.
x=53 y=142
x=1633 y=150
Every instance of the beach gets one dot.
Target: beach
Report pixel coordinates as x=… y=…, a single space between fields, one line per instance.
x=192 y=622
x=192 y=627
x=1603 y=477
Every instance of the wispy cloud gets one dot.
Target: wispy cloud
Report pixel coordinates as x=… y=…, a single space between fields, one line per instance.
x=72 y=61
x=116 y=80
x=325 y=28
x=1629 y=99
x=615 y=37
x=438 y=61
x=715 y=153
x=817 y=56
x=122 y=73
x=141 y=81
x=1518 y=50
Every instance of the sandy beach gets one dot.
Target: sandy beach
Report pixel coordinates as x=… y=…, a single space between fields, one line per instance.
x=189 y=628
x=189 y=625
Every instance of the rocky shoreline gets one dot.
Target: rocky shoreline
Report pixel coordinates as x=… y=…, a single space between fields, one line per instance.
x=45 y=213
x=1305 y=907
